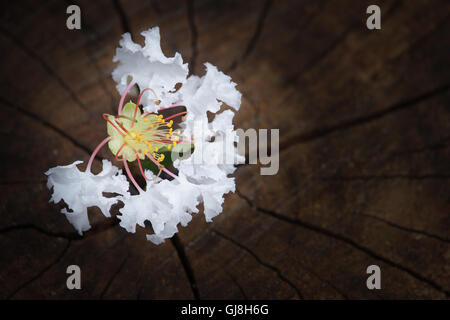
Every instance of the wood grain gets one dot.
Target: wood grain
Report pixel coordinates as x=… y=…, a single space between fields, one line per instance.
x=364 y=150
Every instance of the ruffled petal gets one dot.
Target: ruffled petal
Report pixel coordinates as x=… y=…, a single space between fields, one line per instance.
x=149 y=68
x=81 y=190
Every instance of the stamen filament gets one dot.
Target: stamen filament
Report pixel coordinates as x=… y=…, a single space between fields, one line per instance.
x=122 y=127
x=130 y=176
x=140 y=166
x=139 y=100
x=170 y=107
x=105 y=116
x=122 y=98
x=94 y=153
x=162 y=168
x=125 y=117
x=120 y=149
x=175 y=115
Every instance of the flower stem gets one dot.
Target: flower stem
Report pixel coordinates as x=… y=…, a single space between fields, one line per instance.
x=88 y=168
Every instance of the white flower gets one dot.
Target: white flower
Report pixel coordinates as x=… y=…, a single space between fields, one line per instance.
x=81 y=190
x=135 y=136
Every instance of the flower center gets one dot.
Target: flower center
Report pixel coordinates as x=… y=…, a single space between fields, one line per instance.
x=135 y=135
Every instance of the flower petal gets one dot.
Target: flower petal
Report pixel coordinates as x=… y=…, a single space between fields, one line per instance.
x=81 y=190
x=149 y=68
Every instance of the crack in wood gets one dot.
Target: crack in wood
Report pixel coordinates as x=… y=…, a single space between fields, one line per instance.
x=74 y=236
x=34 y=56
x=40 y=273
x=256 y=35
x=328 y=283
x=348 y=241
x=407 y=229
x=88 y=30
x=114 y=276
x=123 y=17
x=194 y=35
x=255 y=256
x=175 y=240
x=8 y=183
x=430 y=176
x=317 y=59
x=47 y=124
x=241 y=290
x=358 y=121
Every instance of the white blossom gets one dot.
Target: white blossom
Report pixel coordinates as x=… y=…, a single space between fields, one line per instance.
x=204 y=176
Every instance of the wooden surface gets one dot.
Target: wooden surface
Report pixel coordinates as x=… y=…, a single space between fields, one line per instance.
x=364 y=150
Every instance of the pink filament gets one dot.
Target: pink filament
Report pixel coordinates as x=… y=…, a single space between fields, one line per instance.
x=163 y=169
x=140 y=166
x=175 y=115
x=125 y=164
x=122 y=99
x=91 y=159
x=139 y=100
x=169 y=107
x=105 y=116
x=118 y=151
x=163 y=108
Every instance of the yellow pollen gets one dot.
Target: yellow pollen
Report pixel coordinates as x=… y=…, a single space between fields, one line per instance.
x=174 y=143
x=148 y=145
x=169 y=146
x=161 y=158
x=170 y=123
x=145 y=119
x=156 y=149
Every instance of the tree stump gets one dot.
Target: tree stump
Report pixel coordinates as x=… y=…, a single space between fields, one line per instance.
x=364 y=150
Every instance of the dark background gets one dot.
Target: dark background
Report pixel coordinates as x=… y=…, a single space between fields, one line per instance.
x=364 y=150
